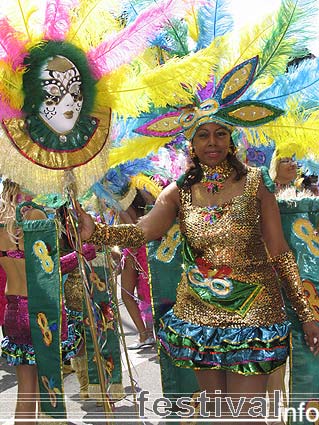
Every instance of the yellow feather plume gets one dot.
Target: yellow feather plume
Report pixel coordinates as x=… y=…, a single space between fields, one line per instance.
x=142 y=182
x=161 y=86
x=192 y=24
x=11 y=85
x=139 y=147
x=293 y=135
x=112 y=91
x=26 y=16
x=91 y=21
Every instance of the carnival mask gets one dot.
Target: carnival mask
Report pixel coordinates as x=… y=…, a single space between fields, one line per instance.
x=61 y=83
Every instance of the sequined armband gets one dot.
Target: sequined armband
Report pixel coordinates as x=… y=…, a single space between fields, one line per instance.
x=287 y=270
x=123 y=235
x=100 y=235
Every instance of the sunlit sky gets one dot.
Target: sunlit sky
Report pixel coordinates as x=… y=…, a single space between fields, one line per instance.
x=246 y=12
x=250 y=11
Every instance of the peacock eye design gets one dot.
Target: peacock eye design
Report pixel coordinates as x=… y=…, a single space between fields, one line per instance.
x=210 y=105
x=187 y=119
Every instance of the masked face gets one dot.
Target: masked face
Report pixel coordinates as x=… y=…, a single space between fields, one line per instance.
x=61 y=83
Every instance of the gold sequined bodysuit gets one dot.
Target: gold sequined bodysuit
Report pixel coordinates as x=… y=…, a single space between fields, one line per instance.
x=234 y=240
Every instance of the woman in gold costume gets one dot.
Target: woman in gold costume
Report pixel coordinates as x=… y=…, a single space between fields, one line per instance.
x=228 y=323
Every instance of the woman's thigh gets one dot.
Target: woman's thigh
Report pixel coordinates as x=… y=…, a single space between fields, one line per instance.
x=246 y=396
x=27 y=379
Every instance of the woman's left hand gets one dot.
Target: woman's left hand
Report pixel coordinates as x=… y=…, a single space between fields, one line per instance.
x=311 y=331
x=86 y=223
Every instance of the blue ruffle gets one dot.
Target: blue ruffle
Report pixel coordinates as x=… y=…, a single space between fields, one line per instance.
x=248 y=350
x=23 y=354
x=17 y=354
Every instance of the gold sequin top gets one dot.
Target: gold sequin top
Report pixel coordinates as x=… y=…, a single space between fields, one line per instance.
x=234 y=240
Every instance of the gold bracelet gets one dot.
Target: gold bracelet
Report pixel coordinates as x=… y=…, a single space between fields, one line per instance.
x=126 y=235
x=123 y=235
x=100 y=235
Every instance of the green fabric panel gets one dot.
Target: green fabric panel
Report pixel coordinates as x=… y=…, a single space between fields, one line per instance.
x=228 y=294
x=240 y=299
x=108 y=335
x=164 y=278
x=45 y=300
x=297 y=217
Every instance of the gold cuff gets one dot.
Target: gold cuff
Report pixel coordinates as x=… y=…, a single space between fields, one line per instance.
x=123 y=235
x=288 y=272
x=100 y=235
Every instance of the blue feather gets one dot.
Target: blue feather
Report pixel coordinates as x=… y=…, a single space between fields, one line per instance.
x=132 y=8
x=117 y=179
x=309 y=167
x=102 y=193
x=300 y=82
x=174 y=38
x=124 y=129
x=214 y=20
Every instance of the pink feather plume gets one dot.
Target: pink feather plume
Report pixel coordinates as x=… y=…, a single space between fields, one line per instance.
x=132 y=40
x=57 y=19
x=12 y=48
x=7 y=112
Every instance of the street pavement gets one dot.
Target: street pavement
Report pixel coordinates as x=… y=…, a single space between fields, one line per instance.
x=145 y=373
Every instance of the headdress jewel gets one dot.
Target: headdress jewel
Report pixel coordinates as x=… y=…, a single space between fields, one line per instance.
x=216 y=104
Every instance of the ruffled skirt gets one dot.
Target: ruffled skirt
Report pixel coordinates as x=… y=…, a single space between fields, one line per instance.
x=248 y=351
x=17 y=346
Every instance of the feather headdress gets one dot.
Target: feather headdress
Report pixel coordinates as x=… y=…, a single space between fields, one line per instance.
x=250 y=88
x=119 y=186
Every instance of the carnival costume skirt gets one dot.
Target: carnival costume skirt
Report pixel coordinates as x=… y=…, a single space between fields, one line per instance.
x=17 y=346
x=248 y=351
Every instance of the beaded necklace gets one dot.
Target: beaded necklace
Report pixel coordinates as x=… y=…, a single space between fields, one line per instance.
x=213 y=178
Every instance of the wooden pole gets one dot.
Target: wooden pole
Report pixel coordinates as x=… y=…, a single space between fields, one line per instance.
x=99 y=363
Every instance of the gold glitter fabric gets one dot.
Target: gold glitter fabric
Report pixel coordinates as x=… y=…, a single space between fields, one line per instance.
x=287 y=269
x=234 y=240
x=123 y=235
x=73 y=291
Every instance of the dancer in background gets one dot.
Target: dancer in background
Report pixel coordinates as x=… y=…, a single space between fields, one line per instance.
x=134 y=278
x=17 y=345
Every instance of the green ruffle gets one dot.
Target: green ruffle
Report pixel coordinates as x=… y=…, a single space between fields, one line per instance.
x=76 y=139
x=269 y=183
